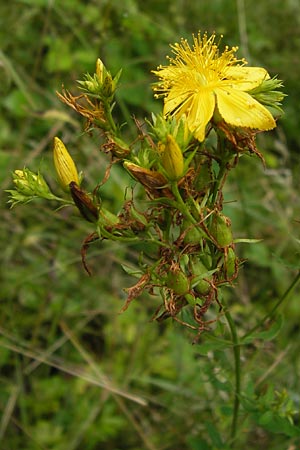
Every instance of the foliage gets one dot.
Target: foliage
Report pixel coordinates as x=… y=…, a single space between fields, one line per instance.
x=74 y=372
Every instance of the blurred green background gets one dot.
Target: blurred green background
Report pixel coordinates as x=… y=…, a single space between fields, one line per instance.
x=75 y=374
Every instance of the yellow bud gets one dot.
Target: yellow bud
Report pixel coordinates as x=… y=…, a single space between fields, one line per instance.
x=64 y=164
x=172 y=159
x=100 y=69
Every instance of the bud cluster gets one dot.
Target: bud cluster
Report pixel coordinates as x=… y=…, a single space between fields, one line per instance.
x=28 y=186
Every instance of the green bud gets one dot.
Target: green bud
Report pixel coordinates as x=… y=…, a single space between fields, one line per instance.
x=108 y=87
x=182 y=133
x=91 y=85
x=27 y=182
x=267 y=93
x=220 y=230
x=101 y=84
x=29 y=185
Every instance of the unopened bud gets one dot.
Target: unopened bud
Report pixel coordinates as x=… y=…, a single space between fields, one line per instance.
x=100 y=70
x=31 y=184
x=172 y=159
x=268 y=94
x=64 y=165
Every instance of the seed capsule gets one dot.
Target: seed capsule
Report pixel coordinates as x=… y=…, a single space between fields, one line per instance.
x=220 y=230
x=199 y=272
x=192 y=233
x=177 y=281
x=230 y=263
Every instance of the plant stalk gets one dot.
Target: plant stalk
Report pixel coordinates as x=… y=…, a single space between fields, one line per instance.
x=237 y=370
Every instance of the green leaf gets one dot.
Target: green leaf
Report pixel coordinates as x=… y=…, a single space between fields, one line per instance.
x=214 y=435
x=278 y=425
x=198 y=444
x=215 y=344
x=266 y=335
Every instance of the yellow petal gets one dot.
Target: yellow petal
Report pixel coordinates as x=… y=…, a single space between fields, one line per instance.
x=245 y=78
x=176 y=100
x=200 y=113
x=241 y=110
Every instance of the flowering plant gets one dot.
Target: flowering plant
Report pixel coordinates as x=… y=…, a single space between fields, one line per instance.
x=214 y=105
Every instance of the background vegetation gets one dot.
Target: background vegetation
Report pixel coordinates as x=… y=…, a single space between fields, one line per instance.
x=74 y=373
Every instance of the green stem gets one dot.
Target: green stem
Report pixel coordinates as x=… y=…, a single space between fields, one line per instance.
x=218 y=182
x=108 y=115
x=181 y=205
x=237 y=364
x=276 y=306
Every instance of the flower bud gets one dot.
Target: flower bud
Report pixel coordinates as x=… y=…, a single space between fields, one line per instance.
x=100 y=70
x=267 y=94
x=64 y=165
x=182 y=133
x=31 y=184
x=25 y=182
x=108 y=86
x=172 y=159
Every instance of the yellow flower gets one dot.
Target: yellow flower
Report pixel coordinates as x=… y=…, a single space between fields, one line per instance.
x=200 y=79
x=64 y=164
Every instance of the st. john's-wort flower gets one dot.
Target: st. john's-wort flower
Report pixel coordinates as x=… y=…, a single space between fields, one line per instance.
x=200 y=81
